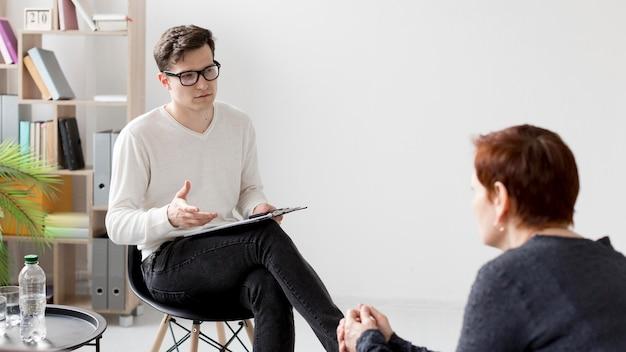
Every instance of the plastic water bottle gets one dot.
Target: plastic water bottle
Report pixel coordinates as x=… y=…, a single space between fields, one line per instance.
x=32 y=282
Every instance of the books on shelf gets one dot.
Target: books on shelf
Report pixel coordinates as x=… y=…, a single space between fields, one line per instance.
x=34 y=74
x=51 y=74
x=67 y=15
x=83 y=9
x=71 y=144
x=37 y=137
x=8 y=42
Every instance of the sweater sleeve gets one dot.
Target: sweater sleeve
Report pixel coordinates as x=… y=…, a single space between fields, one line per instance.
x=126 y=221
x=251 y=193
x=374 y=341
x=496 y=317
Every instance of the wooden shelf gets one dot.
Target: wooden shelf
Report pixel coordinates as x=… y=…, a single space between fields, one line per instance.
x=100 y=208
x=79 y=33
x=81 y=172
x=62 y=240
x=73 y=102
x=8 y=66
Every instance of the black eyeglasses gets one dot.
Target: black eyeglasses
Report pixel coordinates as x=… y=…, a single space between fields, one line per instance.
x=189 y=78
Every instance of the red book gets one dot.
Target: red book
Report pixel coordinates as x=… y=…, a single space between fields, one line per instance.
x=8 y=37
x=67 y=15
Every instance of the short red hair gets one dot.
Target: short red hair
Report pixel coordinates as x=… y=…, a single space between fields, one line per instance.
x=537 y=168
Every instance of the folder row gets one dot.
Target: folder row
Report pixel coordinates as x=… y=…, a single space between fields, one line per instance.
x=108 y=286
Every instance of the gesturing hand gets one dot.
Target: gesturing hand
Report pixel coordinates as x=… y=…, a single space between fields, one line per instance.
x=182 y=215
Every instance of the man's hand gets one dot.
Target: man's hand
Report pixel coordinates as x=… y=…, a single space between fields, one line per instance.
x=182 y=215
x=266 y=208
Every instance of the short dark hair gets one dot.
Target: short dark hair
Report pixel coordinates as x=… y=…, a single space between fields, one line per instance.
x=537 y=168
x=175 y=41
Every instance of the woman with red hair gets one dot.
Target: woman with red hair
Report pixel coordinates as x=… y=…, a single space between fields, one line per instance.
x=550 y=289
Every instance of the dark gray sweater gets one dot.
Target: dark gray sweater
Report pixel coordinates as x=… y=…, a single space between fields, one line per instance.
x=551 y=294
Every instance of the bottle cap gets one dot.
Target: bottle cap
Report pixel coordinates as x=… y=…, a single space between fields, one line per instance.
x=31 y=259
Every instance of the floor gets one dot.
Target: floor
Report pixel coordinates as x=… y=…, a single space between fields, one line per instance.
x=435 y=325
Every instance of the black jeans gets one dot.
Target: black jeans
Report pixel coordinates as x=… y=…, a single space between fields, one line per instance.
x=259 y=267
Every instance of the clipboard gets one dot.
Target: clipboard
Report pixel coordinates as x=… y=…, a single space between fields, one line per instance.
x=250 y=220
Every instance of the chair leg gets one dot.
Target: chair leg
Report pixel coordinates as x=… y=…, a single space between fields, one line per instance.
x=158 y=341
x=221 y=336
x=195 y=334
x=250 y=331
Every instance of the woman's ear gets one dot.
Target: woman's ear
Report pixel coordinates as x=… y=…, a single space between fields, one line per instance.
x=501 y=202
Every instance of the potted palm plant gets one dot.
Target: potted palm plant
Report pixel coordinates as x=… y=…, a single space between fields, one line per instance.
x=21 y=174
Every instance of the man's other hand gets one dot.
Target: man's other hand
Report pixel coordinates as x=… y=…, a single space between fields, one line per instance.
x=182 y=215
x=266 y=208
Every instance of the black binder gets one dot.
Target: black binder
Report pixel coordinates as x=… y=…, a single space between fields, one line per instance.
x=70 y=143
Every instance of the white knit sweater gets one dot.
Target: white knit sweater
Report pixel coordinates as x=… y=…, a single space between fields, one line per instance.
x=153 y=156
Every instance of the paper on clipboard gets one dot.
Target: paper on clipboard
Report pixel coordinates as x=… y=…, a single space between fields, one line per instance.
x=254 y=218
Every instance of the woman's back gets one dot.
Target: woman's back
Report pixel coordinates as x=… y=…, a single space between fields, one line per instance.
x=551 y=294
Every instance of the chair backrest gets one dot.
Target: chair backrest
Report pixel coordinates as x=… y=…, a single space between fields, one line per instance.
x=135 y=276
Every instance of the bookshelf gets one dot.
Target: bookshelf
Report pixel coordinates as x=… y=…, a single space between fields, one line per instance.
x=65 y=250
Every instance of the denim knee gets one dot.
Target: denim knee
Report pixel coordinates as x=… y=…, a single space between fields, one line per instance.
x=263 y=288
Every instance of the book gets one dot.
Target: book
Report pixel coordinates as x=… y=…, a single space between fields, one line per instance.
x=50 y=144
x=48 y=67
x=111 y=26
x=4 y=52
x=72 y=232
x=71 y=144
x=8 y=39
x=25 y=136
x=83 y=9
x=33 y=125
x=110 y=17
x=37 y=149
x=67 y=15
x=34 y=74
x=110 y=97
x=208 y=228
x=67 y=219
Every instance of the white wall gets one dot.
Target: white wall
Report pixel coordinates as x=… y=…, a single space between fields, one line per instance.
x=364 y=111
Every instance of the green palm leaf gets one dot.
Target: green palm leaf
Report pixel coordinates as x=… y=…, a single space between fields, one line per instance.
x=20 y=175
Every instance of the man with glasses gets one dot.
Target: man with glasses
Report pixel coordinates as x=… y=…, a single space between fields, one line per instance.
x=194 y=140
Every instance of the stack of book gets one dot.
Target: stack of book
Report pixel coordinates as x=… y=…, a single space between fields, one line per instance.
x=68 y=224
x=69 y=10
x=8 y=42
x=44 y=69
x=38 y=138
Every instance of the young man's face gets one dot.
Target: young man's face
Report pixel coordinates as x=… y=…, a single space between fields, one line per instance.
x=198 y=96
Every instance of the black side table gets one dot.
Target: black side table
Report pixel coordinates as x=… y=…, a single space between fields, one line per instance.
x=68 y=328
